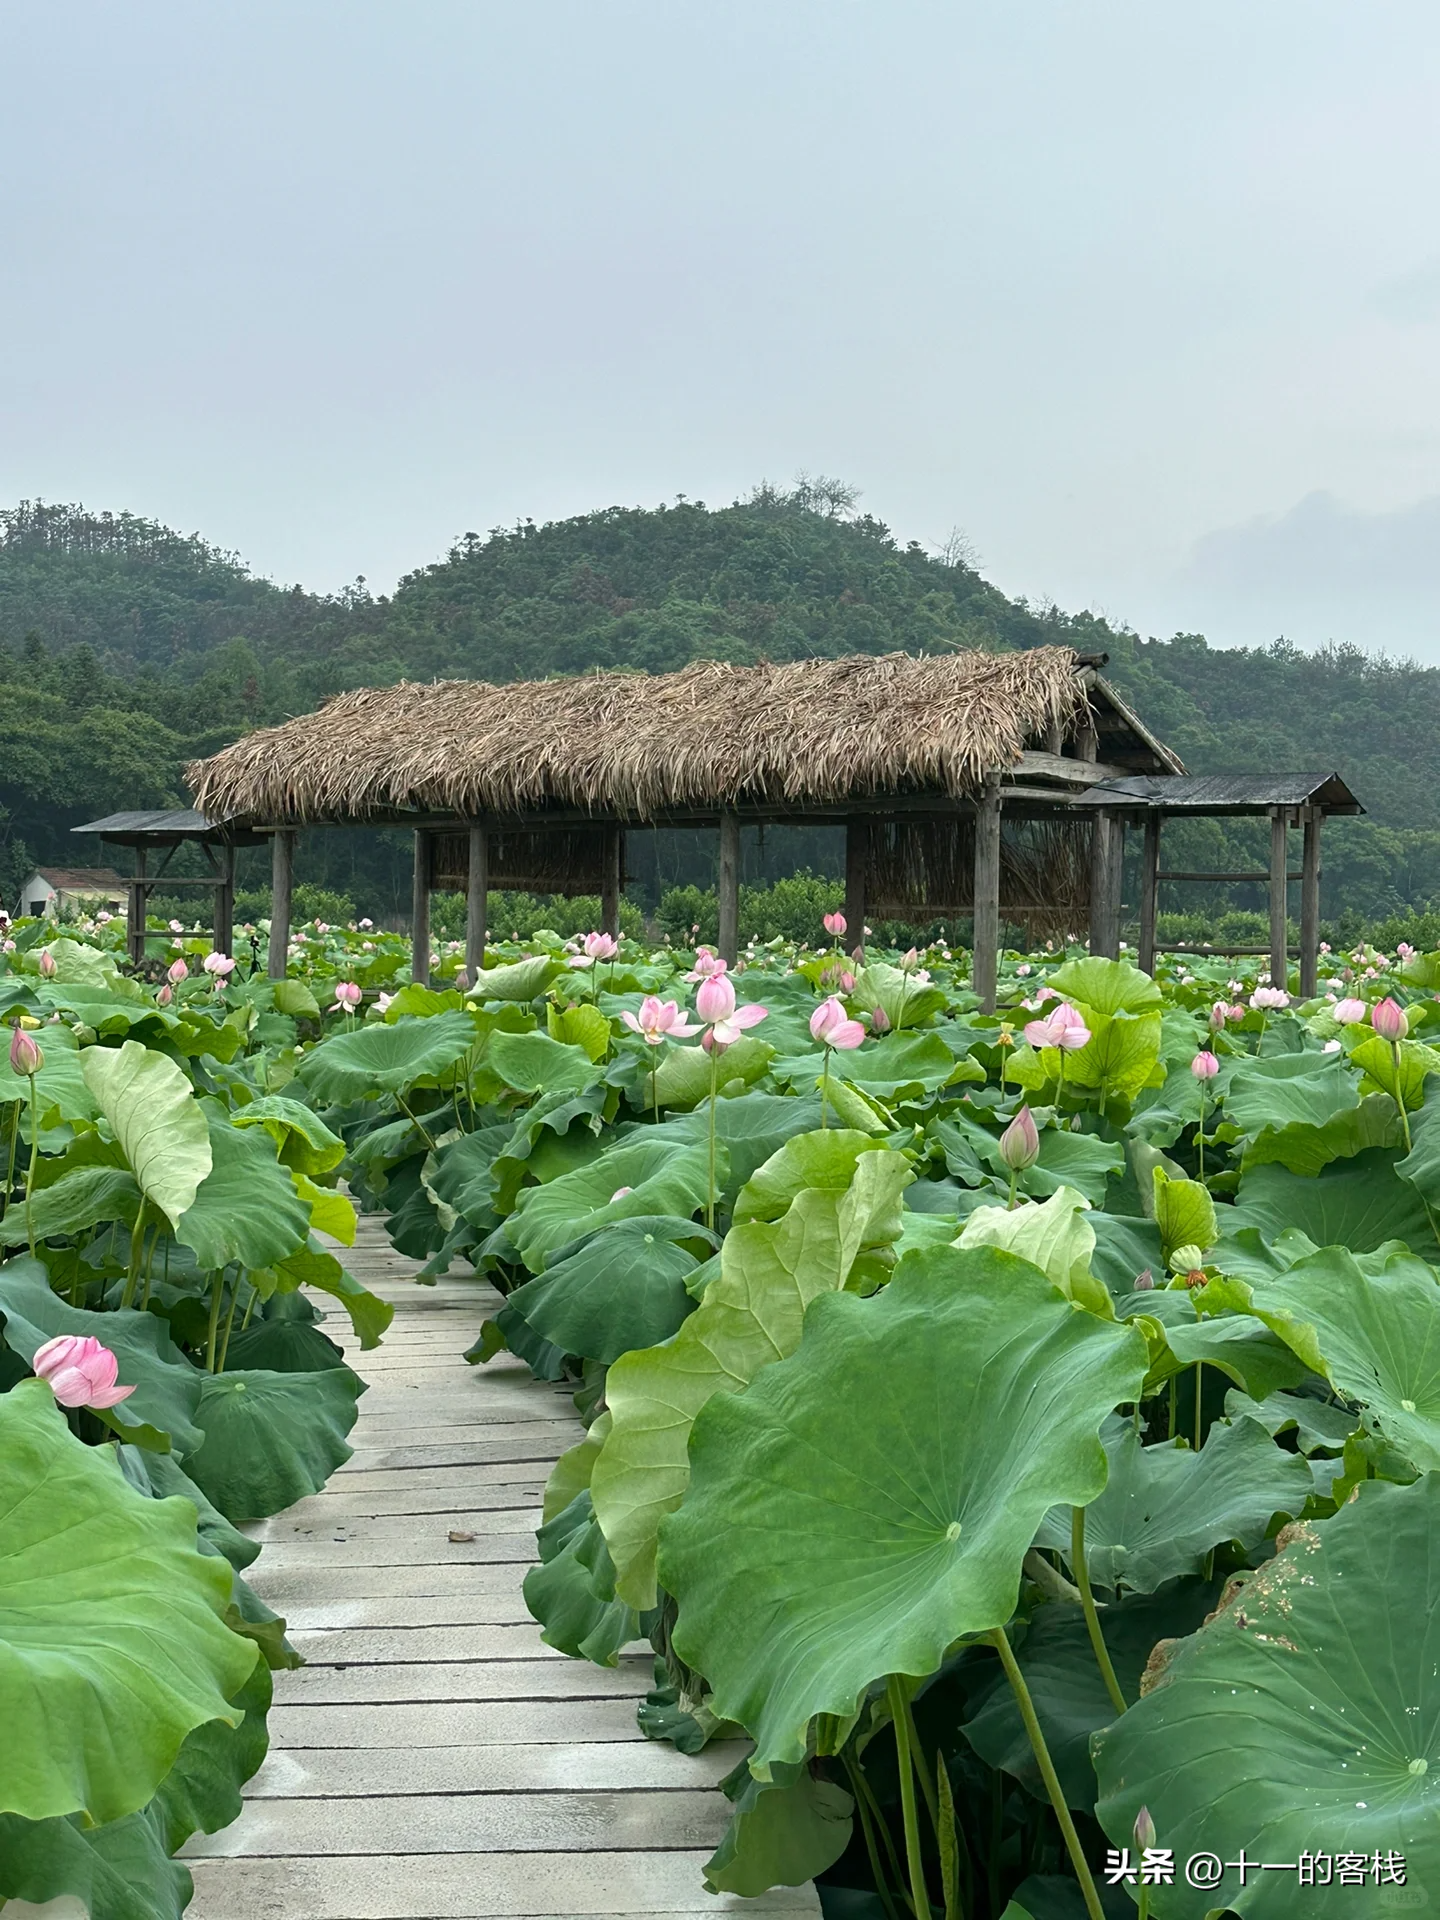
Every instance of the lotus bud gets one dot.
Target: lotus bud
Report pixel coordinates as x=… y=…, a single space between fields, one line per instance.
x=829 y=1015
x=25 y=1056
x=47 y=964
x=879 y=1021
x=1219 y=1014
x=1348 y=1012
x=1020 y=1142
x=1144 y=1830
x=81 y=1372
x=1144 y=1280
x=462 y=979
x=715 y=998
x=1186 y=1259
x=1389 y=1021
x=835 y=924
x=177 y=971
x=1205 y=1066
x=165 y=995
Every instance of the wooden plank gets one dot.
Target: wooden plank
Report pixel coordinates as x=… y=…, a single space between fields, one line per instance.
x=420 y=910
x=1149 y=891
x=1310 y=903
x=856 y=842
x=728 y=887
x=985 y=939
x=282 y=877
x=1279 y=906
x=587 y=1766
x=477 y=888
x=612 y=882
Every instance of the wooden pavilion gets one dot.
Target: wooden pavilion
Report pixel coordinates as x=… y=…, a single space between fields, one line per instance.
x=994 y=786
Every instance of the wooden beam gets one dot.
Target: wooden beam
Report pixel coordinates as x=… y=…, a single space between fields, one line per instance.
x=1086 y=771
x=1087 y=737
x=477 y=887
x=985 y=941
x=282 y=882
x=1106 y=854
x=857 y=834
x=224 y=923
x=1279 y=874
x=420 y=911
x=135 y=915
x=612 y=880
x=728 y=887
x=1310 y=904
x=1149 y=891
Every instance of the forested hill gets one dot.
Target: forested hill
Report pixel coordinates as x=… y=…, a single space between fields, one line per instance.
x=126 y=649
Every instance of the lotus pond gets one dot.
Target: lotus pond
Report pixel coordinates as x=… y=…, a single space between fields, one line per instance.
x=1021 y=1431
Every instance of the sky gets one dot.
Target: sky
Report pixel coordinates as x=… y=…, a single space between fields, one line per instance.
x=1144 y=298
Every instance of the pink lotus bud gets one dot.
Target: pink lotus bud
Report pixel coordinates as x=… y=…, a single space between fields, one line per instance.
x=25 y=1056
x=909 y=961
x=879 y=1021
x=1219 y=1014
x=165 y=995
x=176 y=972
x=1205 y=1066
x=462 y=977
x=826 y=1017
x=1348 y=1012
x=1144 y=1280
x=47 y=964
x=81 y=1373
x=1144 y=1830
x=348 y=994
x=847 y=982
x=1388 y=1019
x=1020 y=1142
x=835 y=924
x=715 y=999
x=220 y=964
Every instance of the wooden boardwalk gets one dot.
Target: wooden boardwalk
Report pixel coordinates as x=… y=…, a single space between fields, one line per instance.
x=434 y=1760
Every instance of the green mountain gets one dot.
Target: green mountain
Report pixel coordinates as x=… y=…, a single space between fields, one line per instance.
x=127 y=649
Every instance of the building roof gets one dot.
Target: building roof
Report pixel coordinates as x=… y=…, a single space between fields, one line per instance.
x=82 y=879
x=151 y=826
x=632 y=746
x=1218 y=793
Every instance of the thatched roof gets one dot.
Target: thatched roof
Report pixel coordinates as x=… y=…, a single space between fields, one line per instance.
x=635 y=746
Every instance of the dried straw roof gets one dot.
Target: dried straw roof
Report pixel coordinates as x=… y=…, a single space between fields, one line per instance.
x=634 y=746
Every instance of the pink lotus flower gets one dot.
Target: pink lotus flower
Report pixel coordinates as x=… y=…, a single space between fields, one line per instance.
x=348 y=994
x=658 y=1020
x=1269 y=999
x=47 y=964
x=176 y=926
x=25 y=1056
x=600 y=946
x=835 y=924
x=1349 y=1012
x=1063 y=1027
x=382 y=1001
x=1389 y=1021
x=1205 y=1066
x=165 y=995
x=1020 y=1142
x=833 y=1027
x=715 y=1004
x=176 y=972
x=367 y=924
x=81 y=1373
x=707 y=965
x=220 y=964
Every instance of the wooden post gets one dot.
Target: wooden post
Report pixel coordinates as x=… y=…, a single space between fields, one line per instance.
x=985 y=954
x=612 y=881
x=477 y=887
x=420 y=911
x=1149 y=891
x=1087 y=737
x=282 y=878
x=1279 y=866
x=1310 y=904
x=728 y=887
x=856 y=847
x=135 y=920
x=224 y=928
x=1106 y=853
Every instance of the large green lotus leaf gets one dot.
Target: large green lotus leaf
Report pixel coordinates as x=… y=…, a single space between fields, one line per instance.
x=1184 y=1213
x=906 y=1003
x=463 y=1175
x=385 y=1058
x=161 y=1475
x=751 y=1127
x=1060 y=1669
x=60 y=1089
x=751 y=1315
x=1304 y=1717
x=682 y=1078
x=1285 y=1089
x=876 y=1492
x=1357 y=1203
x=1056 y=1237
x=272 y=1438
x=1307 y=1149
x=1081 y=1161
x=1165 y=1507
x=1374 y=1334
x=155 y=1117
x=571 y=1472
x=330 y=1211
x=1249 y=1354
x=572 y=1591
x=623 y=1288
x=295 y=998
x=201 y=1792
x=661 y=1178
x=521 y=980
x=1404 y=1080
x=532 y=1062
x=1121 y=1055
x=312 y=1266
x=111 y=1643
x=1421 y=1167
x=579 y=1026
x=1125 y=1247
x=1106 y=986
x=901 y=1066
x=121 y=1871
x=1315 y=1423
x=82 y=1199
x=167 y=1387
x=246 y=1208
x=781 y=1834
x=823 y=1159
x=304 y=1141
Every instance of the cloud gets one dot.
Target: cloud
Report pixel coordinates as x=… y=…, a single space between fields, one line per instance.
x=1412 y=299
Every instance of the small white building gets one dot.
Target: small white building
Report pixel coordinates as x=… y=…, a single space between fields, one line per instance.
x=51 y=892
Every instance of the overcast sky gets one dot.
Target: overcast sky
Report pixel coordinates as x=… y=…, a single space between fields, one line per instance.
x=1143 y=296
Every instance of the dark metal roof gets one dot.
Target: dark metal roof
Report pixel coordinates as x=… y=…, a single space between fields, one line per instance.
x=159 y=825
x=1225 y=792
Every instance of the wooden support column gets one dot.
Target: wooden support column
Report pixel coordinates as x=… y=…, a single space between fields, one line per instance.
x=856 y=847
x=1106 y=855
x=282 y=880
x=135 y=914
x=223 y=933
x=728 y=887
x=1149 y=891
x=612 y=881
x=420 y=911
x=477 y=887
x=985 y=956
x=1310 y=904
x=1279 y=874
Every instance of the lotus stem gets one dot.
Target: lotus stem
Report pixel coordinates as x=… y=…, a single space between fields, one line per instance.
x=867 y=1829
x=1001 y=1643
x=1087 y=1602
x=137 y=1247
x=30 y=1163
x=415 y=1121
x=1200 y=1135
x=250 y=1306
x=922 y=1769
x=229 y=1323
x=714 y=1083
x=14 y=1144
x=217 y=1294
x=1199 y=1413
x=1400 y=1098
x=914 y=1860
x=825 y=1091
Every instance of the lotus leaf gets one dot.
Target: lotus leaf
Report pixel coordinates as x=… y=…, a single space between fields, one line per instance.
x=385 y=1058
x=271 y=1438
x=156 y=1119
